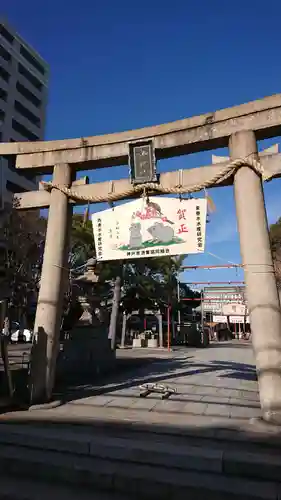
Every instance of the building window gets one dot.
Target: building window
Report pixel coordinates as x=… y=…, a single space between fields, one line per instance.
x=3 y=94
x=22 y=130
x=27 y=174
x=27 y=114
x=31 y=78
x=2 y=116
x=4 y=74
x=14 y=188
x=11 y=162
x=28 y=95
x=6 y=34
x=5 y=54
x=0 y=136
x=32 y=60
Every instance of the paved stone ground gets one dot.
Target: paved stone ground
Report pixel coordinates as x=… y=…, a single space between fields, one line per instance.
x=218 y=382
x=213 y=384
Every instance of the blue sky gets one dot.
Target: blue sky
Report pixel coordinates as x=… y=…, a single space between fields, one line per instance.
x=118 y=65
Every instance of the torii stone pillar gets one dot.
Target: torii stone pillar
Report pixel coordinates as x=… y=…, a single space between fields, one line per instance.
x=124 y=325
x=53 y=284
x=114 y=312
x=160 y=329
x=261 y=289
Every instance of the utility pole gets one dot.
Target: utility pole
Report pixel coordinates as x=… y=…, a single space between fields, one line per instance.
x=115 y=308
x=178 y=297
x=114 y=312
x=202 y=309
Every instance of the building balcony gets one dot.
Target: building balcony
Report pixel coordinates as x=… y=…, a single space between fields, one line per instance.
x=26 y=83
x=24 y=127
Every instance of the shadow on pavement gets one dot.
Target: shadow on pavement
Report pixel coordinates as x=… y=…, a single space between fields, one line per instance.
x=134 y=372
x=130 y=372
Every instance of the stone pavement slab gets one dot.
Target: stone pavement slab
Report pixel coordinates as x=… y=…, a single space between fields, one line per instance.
x=219 y=381
x=217 y=409
x=98 y=400
x=214 y=383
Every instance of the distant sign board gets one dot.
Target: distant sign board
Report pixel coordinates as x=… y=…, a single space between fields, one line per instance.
x=234 y=309
x=219 y=319
x=212 y=308
x=236 y=319
x=150 y=228
x=216 y=297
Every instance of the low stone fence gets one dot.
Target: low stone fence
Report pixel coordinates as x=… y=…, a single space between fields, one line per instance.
x=86 y=353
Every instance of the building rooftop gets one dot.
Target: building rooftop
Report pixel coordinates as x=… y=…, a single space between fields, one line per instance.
x=7 y=30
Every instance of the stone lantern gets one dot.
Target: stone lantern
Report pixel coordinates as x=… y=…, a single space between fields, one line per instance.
x=86 y=283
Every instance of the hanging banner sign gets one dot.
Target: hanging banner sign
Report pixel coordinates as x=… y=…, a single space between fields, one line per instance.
x=232 y=309
x=150 y=228
x=236 y=319
x=219 y=319
x=215 y=298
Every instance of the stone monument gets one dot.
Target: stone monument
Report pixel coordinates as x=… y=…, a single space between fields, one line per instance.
x=86 y=353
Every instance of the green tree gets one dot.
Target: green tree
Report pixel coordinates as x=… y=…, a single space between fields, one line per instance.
x=275 y=239
x=148 y=282
x=189 y=299
x=82 y=245
x=25 y=235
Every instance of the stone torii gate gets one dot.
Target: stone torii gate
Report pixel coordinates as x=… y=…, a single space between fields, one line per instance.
x=239 y=128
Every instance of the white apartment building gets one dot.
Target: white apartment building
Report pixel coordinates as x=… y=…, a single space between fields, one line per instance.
x=23 y=97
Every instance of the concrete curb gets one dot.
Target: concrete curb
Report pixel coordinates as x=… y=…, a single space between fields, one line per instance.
x=119 y=449
x=219 y=460
x=137 y=480
x=203 y=427
x=45 y=406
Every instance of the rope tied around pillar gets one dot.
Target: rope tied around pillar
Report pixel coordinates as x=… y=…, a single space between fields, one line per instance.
x=224 y=174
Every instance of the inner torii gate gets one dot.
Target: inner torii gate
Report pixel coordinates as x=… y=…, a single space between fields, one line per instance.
x=239 y=128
